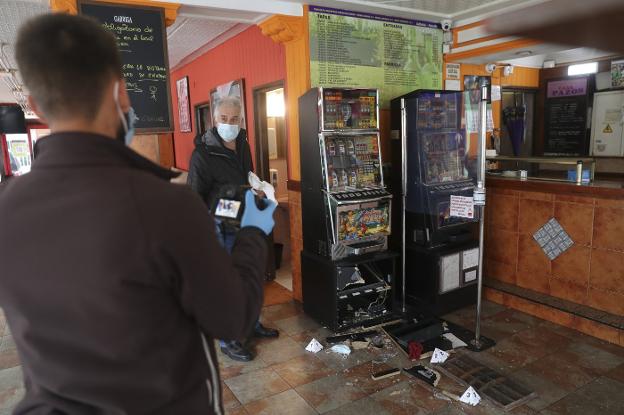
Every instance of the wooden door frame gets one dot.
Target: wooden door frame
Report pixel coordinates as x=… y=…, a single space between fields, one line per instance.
x=260 y=127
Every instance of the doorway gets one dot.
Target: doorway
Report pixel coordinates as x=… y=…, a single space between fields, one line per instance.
x=272 y=166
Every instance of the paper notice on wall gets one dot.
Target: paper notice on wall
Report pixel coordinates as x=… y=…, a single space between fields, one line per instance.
x=470 y=258
x=462 y=207
x=452 y=70
x=452 y=85
x=470 y=276
x=613 y=115
x=496 y=93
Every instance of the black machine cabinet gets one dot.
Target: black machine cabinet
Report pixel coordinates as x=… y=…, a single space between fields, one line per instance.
x=433 y=166
x=347 y=271
x=349 y=292
x=442 y=279
x=345 y=207
x=430 y=169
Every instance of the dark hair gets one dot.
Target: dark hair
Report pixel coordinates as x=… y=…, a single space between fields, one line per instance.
x=66 y=63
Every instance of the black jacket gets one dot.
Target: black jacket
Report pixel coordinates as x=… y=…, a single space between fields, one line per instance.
x=109 y=276
x=212 y=165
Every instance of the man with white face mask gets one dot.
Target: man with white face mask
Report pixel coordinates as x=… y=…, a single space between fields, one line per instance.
x=222 y=157
x=117 y=310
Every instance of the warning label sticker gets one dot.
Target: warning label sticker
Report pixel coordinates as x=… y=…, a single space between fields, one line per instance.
x=608 y=129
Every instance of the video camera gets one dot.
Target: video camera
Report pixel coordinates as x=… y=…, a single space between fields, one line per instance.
x=229 y=204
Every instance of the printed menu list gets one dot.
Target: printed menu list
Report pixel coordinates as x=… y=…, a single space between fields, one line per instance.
x=360 y=50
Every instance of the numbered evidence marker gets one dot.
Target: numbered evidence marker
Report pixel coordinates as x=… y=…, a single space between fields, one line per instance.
x=471 y=397
x=439 y=356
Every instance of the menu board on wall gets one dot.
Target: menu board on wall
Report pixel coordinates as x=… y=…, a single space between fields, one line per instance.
x=361 y=50
x=566 y=118
x=141 y=37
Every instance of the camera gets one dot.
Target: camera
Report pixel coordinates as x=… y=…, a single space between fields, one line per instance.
x=490 y=67
x=446 y=25
x=229 y=204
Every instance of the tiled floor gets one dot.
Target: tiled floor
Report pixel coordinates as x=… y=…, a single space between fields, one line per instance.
x=572 y=373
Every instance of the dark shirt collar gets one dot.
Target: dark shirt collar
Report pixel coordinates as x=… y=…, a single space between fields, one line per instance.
x=78 y=149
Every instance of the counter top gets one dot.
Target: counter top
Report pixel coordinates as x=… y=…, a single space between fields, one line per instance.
x=598 y=188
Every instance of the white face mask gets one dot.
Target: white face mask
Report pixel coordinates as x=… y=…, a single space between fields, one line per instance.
x=228 y=132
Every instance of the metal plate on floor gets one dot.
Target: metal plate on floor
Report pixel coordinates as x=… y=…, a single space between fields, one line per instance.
x=498 y=388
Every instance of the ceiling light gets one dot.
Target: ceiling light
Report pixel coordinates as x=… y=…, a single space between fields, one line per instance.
x=524 y=53
x=583 y=68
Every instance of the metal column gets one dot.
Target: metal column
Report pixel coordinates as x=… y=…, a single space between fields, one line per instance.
x=479 y=201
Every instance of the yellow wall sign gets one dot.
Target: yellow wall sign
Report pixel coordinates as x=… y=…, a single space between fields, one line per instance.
x=608 y=129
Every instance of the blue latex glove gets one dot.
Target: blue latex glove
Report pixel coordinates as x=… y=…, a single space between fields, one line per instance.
x=252 y=216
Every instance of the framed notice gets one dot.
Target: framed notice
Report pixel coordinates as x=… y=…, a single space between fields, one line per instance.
x=362 y=50
x=230 y=89
x=142 y=41
x=184 y=105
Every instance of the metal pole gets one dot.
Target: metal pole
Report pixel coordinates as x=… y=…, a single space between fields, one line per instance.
x=404 y=197
x=479 y=200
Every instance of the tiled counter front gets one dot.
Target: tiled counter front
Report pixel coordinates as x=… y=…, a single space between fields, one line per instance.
x=590 y=273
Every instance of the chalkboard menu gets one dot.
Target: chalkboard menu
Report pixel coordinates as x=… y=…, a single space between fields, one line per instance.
x=566 y=118
x=141 y=38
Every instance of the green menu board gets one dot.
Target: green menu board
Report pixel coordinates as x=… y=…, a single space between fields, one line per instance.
x=362 y=50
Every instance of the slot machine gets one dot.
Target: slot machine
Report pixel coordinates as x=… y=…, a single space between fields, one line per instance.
x=346 y=210
x=434 y=180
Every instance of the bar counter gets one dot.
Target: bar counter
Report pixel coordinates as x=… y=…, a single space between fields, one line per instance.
x=589 y=275
x=598 y=188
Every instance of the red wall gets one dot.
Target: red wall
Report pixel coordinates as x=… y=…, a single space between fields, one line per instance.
x=249 y=55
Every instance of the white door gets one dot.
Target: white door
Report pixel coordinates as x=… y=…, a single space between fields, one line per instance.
x=607 y=124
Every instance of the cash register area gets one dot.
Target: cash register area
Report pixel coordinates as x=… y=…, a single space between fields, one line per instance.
x=376 y=261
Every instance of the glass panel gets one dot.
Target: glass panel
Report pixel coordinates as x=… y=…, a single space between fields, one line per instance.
x=349 y=109
x=361 y=221
x=352 y=162
x=436 y=111
x=444 y=156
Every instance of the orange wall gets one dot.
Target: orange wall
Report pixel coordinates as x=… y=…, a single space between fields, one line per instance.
x=249 y=55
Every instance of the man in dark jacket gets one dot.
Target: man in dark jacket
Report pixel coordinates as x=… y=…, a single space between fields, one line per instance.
x=222 y=157
x=113 y=282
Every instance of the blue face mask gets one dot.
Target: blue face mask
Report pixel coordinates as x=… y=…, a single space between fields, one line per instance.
x=125 y=132
x=228 y=132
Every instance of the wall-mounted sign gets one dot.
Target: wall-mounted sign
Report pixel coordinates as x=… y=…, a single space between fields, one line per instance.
x=184 y=105
x=361 y=50
x=453 y=70
x=617 y=74
x=567 y=88
x=142 y=41
x=565 y=128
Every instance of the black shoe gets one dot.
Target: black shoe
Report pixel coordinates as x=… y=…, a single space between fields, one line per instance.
x=261 y=331
x=236 y=351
